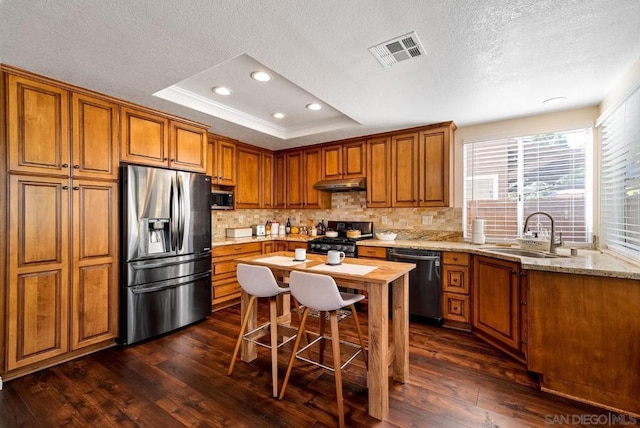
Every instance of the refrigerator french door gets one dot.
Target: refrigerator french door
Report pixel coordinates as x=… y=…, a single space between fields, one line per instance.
x=165 y=252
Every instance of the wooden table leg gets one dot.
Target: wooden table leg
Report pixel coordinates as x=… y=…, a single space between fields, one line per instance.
x=249 y=352
x=400 y=291
x=377 y=378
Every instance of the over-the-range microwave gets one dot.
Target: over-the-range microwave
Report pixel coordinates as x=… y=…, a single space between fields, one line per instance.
x=221 y=200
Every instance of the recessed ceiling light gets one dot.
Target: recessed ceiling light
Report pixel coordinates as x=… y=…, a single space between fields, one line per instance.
x=314 y=106
x=221 y=90
x=556 y=100
x=279 y=115
x=261 y=76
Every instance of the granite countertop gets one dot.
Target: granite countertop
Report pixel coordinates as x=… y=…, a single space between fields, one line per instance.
x=587 y=262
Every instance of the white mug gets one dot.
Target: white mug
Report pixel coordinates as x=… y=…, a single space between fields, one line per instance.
x=335 y=257
x=301 y=254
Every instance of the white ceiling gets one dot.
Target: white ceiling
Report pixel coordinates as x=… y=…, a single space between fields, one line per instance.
x=486 y=59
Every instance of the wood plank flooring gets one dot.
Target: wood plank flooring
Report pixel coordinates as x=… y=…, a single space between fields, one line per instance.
x=178 y=380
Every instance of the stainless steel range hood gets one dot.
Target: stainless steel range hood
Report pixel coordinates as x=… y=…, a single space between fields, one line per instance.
x=343 y=185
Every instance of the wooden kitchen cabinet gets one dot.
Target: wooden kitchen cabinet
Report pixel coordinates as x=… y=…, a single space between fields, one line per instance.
x=295 y=180
x=371 y=252
x=225 y=287
x=379 y=172
x=221 y=160
x=145 y=137
x=94 y=267
x=280 y=246
x=280 y=180
x=420 y=167
x=94 y=140
x=497 y=298
x=303 y=170
x=187 y=147
x=267 y=181
x=37 y=127
x=456 y=292
x=293 y=245
x=248 y=190
x=346 y=160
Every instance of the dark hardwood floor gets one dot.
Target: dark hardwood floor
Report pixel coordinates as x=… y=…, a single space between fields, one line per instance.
x=456 y=380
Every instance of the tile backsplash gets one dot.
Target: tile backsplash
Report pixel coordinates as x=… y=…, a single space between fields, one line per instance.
x=434 y=224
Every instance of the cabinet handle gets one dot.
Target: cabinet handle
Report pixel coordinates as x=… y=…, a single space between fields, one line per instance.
x=166 y=159
x=173 y=160
x=76 y=188
x=76 y=166
x=523 y=342
x=513 y=272
x=455 y=259
x=65 y=187
x=65 y=165
x=523 y=274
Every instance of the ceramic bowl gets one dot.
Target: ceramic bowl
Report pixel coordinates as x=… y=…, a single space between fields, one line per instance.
x=386 y=236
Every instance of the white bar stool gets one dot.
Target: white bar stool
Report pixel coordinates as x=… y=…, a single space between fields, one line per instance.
x=320 y=293
x=258 y=281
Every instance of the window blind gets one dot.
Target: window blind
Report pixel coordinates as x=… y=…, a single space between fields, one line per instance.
x=507 y=179
x=620 y=178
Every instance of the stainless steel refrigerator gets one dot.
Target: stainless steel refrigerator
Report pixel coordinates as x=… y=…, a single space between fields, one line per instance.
x=165 y=251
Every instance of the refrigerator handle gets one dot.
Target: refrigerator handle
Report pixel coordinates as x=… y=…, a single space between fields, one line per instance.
x=181 y=216
x=173 y=212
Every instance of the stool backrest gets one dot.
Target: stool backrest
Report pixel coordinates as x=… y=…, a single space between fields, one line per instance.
x=257 y=280
x=315 y=291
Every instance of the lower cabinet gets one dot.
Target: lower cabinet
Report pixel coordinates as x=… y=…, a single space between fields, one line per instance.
x=62 y=277
x=293 y=245
x=226 y=290
x=371 y=252
x=497 y=301
x=456 y=290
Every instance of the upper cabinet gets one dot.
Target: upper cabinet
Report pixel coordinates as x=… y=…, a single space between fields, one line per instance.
x=347 y=160
x=40 y=119
x=303 y=170
x=248 y=190
x=221 y=160
x=267 y=180
x=152 y=139
x=280 y=180
x=420 y=167
x=379 y=172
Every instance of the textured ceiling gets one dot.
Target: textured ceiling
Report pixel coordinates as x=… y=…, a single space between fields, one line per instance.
x=486 y=60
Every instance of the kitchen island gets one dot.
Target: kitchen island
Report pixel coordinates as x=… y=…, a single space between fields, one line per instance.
x=376 y=283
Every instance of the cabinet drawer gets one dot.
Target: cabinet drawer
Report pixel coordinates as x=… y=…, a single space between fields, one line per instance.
x=226 y=289
x=220 y=268
x=292 y=245
x=456 y=307
x=227 y=250
x=373 y=252
x=461 y=259
x=455 y=279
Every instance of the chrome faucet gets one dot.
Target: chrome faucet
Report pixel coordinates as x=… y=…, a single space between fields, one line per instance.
x=553 y=244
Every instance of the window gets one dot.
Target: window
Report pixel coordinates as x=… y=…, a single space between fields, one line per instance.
x=620 y=178
x=507 y=179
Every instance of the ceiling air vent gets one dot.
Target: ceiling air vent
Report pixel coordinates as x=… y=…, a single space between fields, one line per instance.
x=398 y=49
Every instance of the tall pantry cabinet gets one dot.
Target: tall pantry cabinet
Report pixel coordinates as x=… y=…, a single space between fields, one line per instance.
x=61 y=202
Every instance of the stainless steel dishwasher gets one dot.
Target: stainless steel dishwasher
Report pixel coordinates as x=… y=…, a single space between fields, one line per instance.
x=424 y=283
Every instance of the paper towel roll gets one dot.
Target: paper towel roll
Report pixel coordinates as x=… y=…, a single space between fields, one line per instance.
x=477 y=236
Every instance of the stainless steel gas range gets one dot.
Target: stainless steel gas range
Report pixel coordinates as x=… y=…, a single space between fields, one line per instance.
x=346 y=239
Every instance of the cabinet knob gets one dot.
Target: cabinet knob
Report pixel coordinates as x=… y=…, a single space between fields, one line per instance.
x=173 y=160
x=166 y=159
x=65 y=165
x=76 y=166
x=65 y=187
x=455 y=259
x=523 y=303
x=523 y=342
x=76 y=187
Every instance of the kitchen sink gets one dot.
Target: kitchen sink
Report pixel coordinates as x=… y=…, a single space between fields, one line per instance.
x=524 y=253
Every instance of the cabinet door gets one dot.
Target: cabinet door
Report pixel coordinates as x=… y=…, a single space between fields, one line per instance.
x=280 y=180
x=379 y=173
x=188 y=147
x=312 y=173
x=295 y=180
x=225 y=160
x=247 y=193
x=434 y=168
x=37 y=127
x=38 y=289
x=95 y=137
x=404 y=170
x=496 y=300
x=267 y=179
x=332 y=162
x=94 y=288
x=144 y=138
x=354 y=159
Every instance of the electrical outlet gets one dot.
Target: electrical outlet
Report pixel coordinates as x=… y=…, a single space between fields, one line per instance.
x=297 y=219
x=384 y=219
x=427 y=220
x=241 y=219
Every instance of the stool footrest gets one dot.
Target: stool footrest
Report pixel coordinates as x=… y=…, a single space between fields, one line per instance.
x=287 y=332
x=316 y=363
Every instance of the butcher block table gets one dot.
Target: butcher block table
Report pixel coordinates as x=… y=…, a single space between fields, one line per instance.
x=373 y=276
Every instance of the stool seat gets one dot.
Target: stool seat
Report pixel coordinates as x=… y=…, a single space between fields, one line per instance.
x=320 y=293
x=258 y=281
